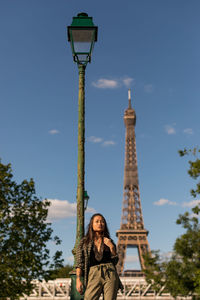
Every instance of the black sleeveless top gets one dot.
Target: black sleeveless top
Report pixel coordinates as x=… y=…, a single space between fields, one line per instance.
x=105 y=259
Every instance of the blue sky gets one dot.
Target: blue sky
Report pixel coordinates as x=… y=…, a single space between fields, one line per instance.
x=152 y=47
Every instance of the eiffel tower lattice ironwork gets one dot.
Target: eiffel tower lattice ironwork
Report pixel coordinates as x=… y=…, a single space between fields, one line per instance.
x=132 y=233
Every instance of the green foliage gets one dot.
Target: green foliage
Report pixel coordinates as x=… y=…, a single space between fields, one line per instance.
x=181 y=273
x=154 y=270
x=62 y=272
x=197 y=282
x=24 y=233
x=194 y=168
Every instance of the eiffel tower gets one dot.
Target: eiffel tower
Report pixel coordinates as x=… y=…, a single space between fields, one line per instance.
x=132 y=233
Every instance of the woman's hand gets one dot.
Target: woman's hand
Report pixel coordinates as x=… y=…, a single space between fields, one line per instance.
x=108 y=242
x=79 y=285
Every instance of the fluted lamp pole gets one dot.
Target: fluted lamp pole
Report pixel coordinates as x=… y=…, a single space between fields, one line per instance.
x=82 y=34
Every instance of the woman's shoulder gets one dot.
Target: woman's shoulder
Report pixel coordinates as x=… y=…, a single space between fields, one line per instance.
x=84 y=242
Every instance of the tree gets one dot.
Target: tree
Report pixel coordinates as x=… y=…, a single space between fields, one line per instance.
x=24 y=233
x=62 y=272
x=194 y=168
x=181 y=273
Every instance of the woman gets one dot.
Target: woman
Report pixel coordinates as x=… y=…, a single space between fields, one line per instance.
x=96 y=258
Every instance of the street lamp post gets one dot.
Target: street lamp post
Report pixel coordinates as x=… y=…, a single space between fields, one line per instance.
x=82 y=34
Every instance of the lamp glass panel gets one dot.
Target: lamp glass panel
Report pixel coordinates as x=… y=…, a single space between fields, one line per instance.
x=86 y=203
x=82 y=40
x=82 y=57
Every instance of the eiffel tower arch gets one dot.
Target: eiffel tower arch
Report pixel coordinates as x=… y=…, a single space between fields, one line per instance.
x=132 y=233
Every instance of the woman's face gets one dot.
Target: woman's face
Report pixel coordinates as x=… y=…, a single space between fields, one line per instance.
x=98 y=224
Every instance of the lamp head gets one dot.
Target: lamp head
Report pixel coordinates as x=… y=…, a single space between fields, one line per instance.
x=82 y=34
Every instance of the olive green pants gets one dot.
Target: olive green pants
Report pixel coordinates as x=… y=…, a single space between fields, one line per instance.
x=102 y=279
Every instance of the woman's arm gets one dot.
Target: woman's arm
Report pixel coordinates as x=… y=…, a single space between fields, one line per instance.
x=80 y=256
x=79 y=285
x=78 y=272
x=79 y=266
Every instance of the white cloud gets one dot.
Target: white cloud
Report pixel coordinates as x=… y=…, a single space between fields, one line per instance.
x=170 y=129
x=188 y=131
x=148 y=88
x=90 y=210
x=163 y=201
x=103 y=83
x=166 y=256
x=62 y=209
x=108 y=143
x=54 y=131
x=192 y=203
x=94 y=139
x=132 y=258
x=127 y=81
x=193 y=215
x=70 y=259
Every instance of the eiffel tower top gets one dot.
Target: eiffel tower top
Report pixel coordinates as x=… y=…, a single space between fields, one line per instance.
x=129 y=99
x=129 y=114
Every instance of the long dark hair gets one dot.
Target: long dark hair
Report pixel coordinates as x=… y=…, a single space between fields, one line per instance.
x=90 y=232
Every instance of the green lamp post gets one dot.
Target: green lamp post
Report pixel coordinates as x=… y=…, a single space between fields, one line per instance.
x=82 y=34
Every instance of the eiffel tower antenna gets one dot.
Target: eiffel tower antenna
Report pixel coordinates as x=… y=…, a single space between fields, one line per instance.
x=129 y=99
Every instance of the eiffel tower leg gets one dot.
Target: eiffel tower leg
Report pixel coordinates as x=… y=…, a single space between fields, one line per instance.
x=121 y=249
x=143 y=249
x=140 y=251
